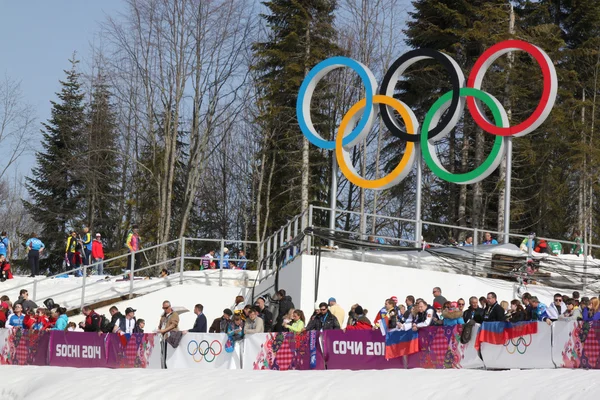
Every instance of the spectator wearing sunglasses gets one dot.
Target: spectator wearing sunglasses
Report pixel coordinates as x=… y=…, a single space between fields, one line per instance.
x=324 y=321
x=556 y=308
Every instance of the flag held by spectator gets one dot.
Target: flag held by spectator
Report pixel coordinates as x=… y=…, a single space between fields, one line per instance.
x=501 y=332
x=401 y=343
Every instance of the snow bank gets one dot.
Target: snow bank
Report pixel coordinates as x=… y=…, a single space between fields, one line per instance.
x=49 y=383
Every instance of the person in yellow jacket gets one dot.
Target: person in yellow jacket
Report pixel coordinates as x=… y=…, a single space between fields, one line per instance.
x=133 y=244
x=337 y=311
x=297 y=324
x=71 y=250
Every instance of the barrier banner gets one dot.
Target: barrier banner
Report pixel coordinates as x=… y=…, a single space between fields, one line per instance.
x=356 y=350
x=135 y=352
x=527 y=351
x=283 y=351
x=576 y=344
x=24 y=346
x=205 y=351
x=77 y=349
x=440 y=348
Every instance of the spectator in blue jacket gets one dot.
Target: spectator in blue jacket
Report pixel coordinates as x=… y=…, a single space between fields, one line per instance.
x=538 y=311
x=201 y=325
x=16 y=318
x=61 y=319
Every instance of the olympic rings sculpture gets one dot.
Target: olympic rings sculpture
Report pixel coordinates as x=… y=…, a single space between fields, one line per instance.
x=203 y=353
x=359 y=120
x=520 y=341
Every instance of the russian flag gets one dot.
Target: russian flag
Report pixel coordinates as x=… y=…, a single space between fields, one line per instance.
x=401 y=343
x=501 y=332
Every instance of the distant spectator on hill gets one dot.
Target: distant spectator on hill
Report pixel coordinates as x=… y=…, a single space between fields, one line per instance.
x=169 y=321
x=337 y=311
x=5 y=271
x=437 y=296
x=134 y=245
x=324 y=321
x=577 y=248
x=242 y=260
x=225 y=258
x=220 y=324
x=298 y=321
x=493 y=312
x=488 y=239
x=208 y=260
x=98 y=254
x=468 y=241
x=201 y=325
x=264 y=313
x=254 y=324
x=5 y=246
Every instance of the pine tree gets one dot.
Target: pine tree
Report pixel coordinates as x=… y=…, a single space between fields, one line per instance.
x=301 y=35
x=101 y=169
x=55 y=188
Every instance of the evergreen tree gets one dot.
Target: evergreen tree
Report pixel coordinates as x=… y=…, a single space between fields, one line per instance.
x=301 y=34
x=55 y=187
x=102 y=161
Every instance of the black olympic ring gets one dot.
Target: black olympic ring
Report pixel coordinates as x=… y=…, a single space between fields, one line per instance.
x=457 y=80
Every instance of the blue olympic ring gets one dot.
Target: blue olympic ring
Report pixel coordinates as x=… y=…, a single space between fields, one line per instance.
x=306 y=91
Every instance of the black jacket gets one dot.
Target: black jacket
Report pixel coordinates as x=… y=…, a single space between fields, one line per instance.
x=115 y=320
x=285 y=305
x=326 y=323
x=200 y=325
x=476 y=315
x=267 y=317
x=494 y=313
x=517 y=316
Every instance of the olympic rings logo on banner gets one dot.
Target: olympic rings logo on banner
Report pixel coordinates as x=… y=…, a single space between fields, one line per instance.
x=207 y=354
x=359 y=120
x=520 y=341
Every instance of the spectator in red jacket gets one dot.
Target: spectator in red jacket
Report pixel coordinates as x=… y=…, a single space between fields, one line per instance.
x=98 y=254
x=29 y=319
x=359 y=321
x=5 y=272
x=93 y=321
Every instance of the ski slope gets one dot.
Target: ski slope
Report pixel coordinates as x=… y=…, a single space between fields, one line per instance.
x=20 y=383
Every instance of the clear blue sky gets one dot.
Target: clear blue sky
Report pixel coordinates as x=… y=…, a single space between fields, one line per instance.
x=37 y=37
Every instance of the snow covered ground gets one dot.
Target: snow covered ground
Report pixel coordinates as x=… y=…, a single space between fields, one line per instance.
x=20 y=383
x=67 y=291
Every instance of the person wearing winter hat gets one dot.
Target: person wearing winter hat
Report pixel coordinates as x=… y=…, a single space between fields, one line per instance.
x=359 y=320
x=452 y=315
x=438 y=318
x=225 y=258
x=337 y=311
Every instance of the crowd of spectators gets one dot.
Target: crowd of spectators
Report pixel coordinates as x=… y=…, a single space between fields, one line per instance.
x=280 y=315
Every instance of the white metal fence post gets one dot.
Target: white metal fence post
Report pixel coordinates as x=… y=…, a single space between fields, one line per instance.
x=83 y=286
x=182 y=263
x=131 y=273
x=221 y=263
x=34 y=290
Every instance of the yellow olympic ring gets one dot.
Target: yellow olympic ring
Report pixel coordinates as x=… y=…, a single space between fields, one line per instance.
x=343 y=155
